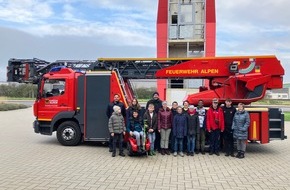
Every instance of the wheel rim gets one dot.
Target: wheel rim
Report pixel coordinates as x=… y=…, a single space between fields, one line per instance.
x=68 y=133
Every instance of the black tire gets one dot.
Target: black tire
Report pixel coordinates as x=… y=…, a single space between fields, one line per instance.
x=69 y=133
x=130 y=151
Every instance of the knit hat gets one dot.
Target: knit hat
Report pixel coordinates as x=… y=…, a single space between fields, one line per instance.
x=155 y=93
x=116 y=108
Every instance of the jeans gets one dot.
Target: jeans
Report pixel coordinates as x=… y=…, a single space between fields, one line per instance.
x=115 y=138
x=164 y=138
x=190 y=143
x=200 y=140
x=178 y=141
x=151 y=137
x=172 y=140
x=215 y=141
x=139 y=137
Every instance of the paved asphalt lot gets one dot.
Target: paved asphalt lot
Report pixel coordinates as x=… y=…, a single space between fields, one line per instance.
x=33 y=161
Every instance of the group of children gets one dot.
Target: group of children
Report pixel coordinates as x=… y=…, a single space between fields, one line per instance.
x=177 y=126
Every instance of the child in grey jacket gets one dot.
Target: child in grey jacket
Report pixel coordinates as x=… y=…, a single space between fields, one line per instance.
x=117 y=130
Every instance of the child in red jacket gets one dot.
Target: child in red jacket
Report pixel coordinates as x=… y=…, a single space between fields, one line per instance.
x=215 y=125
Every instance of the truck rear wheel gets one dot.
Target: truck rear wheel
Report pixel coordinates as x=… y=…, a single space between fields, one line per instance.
x=69 y=133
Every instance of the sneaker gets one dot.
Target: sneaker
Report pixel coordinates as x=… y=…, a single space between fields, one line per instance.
x=181 y=154
x=122 y=154
x=202 y=152
x=217 y=153
x=197 y=152
x=188 y=154
x=153 y=152
x=110 y=150
x=150 y=153
x=175 y=154
x=210 y=153
x=113 y=154
x=232 y=155
x=227 y=154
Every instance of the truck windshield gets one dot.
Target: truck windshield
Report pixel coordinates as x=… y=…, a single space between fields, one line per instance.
x=53 y=87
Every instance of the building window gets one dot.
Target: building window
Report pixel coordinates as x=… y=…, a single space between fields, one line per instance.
x=174 y=19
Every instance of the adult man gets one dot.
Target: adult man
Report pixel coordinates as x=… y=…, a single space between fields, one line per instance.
x=229 y=112
x=155 y=101
x=215 y=125
x=110 y=110
x=157 y=105
x=174 y=112
x=200 y=136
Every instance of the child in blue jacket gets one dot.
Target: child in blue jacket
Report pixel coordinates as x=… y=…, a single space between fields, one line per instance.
x=179 y=131
x=135 y=127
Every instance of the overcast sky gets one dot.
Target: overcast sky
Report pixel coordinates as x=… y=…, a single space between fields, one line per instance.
x=88 y=29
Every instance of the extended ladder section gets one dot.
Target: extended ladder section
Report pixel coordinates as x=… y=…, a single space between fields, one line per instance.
x=30 y=70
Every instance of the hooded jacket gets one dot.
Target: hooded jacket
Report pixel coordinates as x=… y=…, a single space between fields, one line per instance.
x=116 y=123
x=135 y=124
x=241 y=124
x=229 y=113
x=180 y=125
x=215 y=119
x=193 y=124
x=151 y=123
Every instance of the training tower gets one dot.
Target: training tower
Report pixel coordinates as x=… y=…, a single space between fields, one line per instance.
x=185 y=28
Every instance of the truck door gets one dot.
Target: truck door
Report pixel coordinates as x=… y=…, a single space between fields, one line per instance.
x=54 y=98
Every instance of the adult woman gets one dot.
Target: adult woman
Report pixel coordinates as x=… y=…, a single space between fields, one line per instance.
x=240 y=127
x=185 y=107
x=164 y=127
x=135 y=106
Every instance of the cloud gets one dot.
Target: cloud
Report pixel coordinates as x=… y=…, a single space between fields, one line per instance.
x=24 y=11
x=19 y=44
x=127 y=25
x=246 y=27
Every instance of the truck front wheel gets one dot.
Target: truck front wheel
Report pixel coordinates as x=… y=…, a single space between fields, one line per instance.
x=69 y=133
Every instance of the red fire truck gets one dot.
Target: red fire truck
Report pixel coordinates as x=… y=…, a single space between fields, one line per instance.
x=73 y=95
